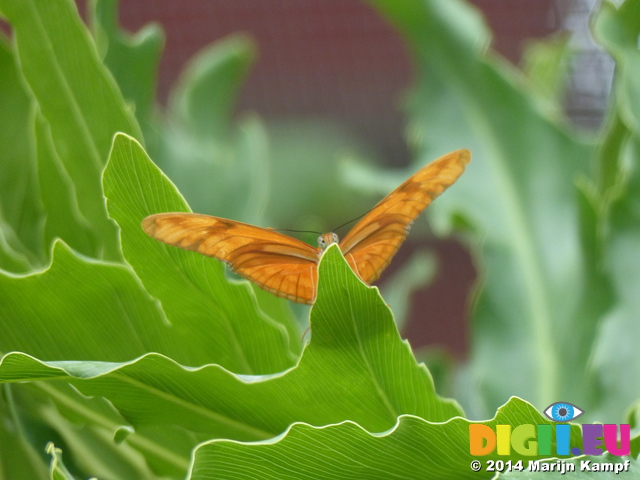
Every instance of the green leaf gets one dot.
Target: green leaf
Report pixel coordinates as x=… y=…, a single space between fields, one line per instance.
x=193 y=289
x=617 y=30
x=202 y=152
x=97 y=441
x=411 y=449
x=356 y=368
x=63 y=219
x=76 y=95
x=546 y=67
x=85 y=428
x=618 y=205
x=205 y=96
x=21 y=460
x=20 y=208
x=59 y=314
x=13 y=255
x=132 y=59
x=617 y=350
x=57 y=469
x=633 y=418
x=110 y=318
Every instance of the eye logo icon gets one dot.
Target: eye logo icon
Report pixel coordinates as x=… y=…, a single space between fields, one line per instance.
x=562 y=412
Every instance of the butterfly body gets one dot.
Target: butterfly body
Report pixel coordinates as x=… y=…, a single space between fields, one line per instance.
x=288 y=267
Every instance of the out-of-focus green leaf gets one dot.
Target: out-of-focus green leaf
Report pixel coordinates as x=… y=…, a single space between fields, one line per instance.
x=76 y=95
x=86 y=428
x=203 y=152
x=63 y=219
x=617 y=30
x=132 y=59
x=57 y=470
x=205 y=96
x=412 y=449
x=442 y=367
x=193 y=289
x=210 y=159
x=536 y=317
x=545 y=64
x=616 y=358
x=20 y=208
x=13 y=257
x=97 y=440
x=20 y=460
x=252 y=169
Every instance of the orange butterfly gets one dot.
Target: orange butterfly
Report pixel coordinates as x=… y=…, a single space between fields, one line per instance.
x=288 y=267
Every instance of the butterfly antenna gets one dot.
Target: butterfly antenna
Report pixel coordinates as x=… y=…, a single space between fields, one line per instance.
x=317 y=233
x=295 y=231
x=350 y=221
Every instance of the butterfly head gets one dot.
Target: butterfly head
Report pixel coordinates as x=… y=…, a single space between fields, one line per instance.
x=327 y=239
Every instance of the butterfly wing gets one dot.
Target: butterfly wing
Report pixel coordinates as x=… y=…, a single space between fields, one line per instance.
x=282 y=265
x=371 y=244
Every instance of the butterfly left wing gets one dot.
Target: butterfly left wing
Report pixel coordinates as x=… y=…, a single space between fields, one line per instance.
x=280 y=264
x=373 y=241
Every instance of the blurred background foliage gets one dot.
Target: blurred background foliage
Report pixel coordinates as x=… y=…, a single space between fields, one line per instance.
x=548 y=209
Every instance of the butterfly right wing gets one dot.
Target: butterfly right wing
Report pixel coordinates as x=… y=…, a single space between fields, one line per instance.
x=375 y=239
x=280 y=264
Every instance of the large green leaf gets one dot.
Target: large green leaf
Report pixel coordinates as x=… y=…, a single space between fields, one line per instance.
x=355 y=368
x=536 y=316
x=58 y=315
x=194 y=291
x=412 y=449
x=78 y=98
